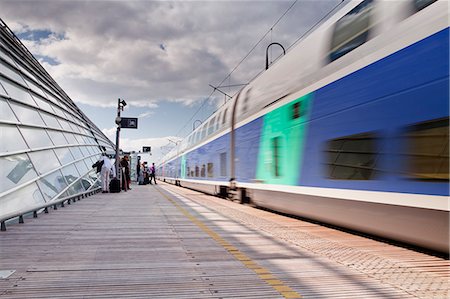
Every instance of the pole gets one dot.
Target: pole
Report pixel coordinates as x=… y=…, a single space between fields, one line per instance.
x=117 y=138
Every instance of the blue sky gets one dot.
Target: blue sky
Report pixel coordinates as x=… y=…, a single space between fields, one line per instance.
x=159 y=56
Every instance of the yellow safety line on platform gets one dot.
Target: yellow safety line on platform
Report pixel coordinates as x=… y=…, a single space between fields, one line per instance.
x=262 y=272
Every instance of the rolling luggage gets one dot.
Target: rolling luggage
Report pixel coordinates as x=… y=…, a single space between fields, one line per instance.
x=114 y=186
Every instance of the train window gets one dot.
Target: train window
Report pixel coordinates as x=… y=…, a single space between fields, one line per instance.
x=218 y=121
x=196 y=171
x=203 y=171
x=188 y=171
x=276 y=151
x=352 y=30
x=427 y=150
x=245 y=102
x=296 y=110
x=421 y=4
x=211 y=125
x=352 y=157
x=224 y=116
x=223 y=164
x=210 y=170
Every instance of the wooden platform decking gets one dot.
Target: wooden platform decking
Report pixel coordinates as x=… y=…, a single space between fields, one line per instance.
x=166 y=242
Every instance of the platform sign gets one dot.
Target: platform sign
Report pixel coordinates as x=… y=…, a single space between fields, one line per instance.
x=129 y=122
x=146 y=149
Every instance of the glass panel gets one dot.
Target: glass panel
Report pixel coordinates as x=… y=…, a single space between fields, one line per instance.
x=76 y=188
x=6 y=57
x=82 y=168
x=210 y=170
x=79 y=138
x=35 y=88
x=15 y=170
x=27 y=115
x=44 y=105
x=64 y=155
x=36 y=137
x=44 y=161
x=76 y=153
x=57 y=137
x=2 y=90
x=352 y=30
x=65 y=125
x=85 y=151
x=18 y=93
x=29 y=196
x=14 y=140
x=70 y=173
x=70 y=138
x=52 y=184
x=87 y=182
x=10 y=73
x=6 y=113
x=353 y=157
x=427 y=150
x=50 y=120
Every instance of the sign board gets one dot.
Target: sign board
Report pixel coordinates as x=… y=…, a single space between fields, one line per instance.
x=146 y=149
x=129 y=122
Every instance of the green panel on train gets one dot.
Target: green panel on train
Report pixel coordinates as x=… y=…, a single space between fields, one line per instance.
x=282 y=143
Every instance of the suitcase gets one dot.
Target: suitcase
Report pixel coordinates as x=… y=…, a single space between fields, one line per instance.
x=114 y=186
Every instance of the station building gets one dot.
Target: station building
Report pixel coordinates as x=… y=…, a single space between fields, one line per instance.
x=48 y=145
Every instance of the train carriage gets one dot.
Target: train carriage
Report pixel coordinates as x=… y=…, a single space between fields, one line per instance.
x=349 y=128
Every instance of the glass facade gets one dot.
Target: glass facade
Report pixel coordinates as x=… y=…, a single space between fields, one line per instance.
x=47 y=144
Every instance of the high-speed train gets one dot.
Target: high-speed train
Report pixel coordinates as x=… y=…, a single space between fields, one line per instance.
x=350 y=127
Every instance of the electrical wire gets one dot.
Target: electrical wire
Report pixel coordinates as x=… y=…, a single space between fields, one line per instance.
x=240 y=62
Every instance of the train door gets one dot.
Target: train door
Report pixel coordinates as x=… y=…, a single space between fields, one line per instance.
x=282 y=143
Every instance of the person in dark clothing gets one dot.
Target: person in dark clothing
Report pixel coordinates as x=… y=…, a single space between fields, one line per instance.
x=127 y=179
x=153 y=173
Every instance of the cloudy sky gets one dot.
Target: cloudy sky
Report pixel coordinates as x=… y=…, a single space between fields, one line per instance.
x=159 y=56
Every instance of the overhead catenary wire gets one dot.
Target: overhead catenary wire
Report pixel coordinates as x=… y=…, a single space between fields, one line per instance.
x=239 y=63
x=270 y=30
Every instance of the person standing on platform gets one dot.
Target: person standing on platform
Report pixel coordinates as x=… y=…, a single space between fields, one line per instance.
x=153 y=173
x=127 y=179
x=107 y=169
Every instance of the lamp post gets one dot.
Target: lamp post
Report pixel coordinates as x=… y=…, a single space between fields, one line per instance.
x=120 y=105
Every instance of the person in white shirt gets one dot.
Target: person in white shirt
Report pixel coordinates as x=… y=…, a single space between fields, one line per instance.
x=107 y=169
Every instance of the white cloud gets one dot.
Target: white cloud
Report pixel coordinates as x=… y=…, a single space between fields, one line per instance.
x=146 y=114
x=152 y=51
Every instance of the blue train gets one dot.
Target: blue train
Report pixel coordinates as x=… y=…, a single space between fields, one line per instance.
x=350 y=127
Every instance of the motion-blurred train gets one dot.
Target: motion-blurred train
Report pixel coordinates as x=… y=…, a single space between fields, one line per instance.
x=350 y=127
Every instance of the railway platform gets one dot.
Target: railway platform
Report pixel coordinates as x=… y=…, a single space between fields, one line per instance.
x=162 y=241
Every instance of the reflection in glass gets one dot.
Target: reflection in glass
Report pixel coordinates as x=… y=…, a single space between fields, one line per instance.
x=50 y=120
x=44 y=161
x=82 y=168
x=76 y=152
x=57 y=137
x=76 y=188
x=70 y=173
x=5 y=111
x=52 y=184
x=36 y=137
x=10 y=73
x=11 y=139
x=27 y=115
x=15 y=170
x=64 y=155
x=18 y=93
x=23 y=198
